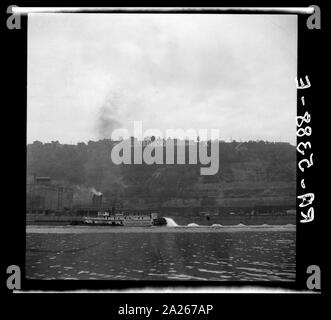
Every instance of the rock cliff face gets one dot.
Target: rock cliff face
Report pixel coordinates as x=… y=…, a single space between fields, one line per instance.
x=252 y=176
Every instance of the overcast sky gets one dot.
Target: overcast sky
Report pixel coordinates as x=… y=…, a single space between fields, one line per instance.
x=90 y=73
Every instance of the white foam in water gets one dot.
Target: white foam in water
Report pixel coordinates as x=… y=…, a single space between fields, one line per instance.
x=193 y=225
x=171 y=222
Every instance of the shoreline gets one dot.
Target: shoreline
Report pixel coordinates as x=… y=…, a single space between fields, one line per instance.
x=37 y=229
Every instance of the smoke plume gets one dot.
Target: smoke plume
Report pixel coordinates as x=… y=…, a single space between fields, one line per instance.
x=108 y=117
x=94 y=191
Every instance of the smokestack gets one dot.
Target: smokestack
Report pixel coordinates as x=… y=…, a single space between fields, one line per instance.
x=97 y=200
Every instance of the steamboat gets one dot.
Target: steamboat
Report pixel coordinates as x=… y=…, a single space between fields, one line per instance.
x=135 y=219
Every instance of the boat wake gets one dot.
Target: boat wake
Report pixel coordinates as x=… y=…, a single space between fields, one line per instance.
x=171 y=222
x=193 y=225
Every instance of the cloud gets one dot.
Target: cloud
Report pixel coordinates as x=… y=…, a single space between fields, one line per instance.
x=92 y=73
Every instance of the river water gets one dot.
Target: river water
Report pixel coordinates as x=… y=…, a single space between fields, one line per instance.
x=260 y=253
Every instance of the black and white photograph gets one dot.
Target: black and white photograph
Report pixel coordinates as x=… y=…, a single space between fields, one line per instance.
x=161 y=147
